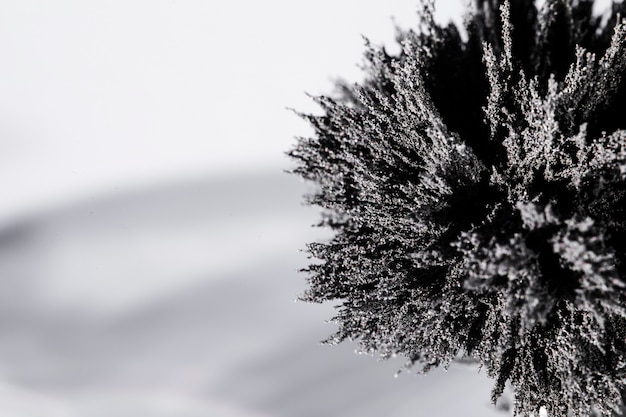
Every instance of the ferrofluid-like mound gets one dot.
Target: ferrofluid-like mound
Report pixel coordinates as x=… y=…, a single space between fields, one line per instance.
x=476 y=188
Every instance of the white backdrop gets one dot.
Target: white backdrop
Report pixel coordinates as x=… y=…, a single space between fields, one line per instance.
x=149 y=241
x=98 y=96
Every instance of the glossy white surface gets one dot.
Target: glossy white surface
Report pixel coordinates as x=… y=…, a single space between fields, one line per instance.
x=178 y=301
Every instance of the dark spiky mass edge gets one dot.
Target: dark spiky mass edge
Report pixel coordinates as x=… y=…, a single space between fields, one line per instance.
x=476 y=191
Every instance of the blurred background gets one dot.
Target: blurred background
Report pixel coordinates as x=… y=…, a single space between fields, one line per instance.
x=149 y=239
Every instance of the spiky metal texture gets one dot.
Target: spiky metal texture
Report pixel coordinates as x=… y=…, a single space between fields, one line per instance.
x=476 y=188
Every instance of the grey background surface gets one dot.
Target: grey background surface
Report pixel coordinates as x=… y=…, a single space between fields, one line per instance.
x=149 y=241
x=114 y=307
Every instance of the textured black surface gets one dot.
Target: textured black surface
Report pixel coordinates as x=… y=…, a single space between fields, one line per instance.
x=475 y=187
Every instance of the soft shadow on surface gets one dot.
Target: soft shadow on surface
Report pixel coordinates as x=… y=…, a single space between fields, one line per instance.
x=178 y=301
